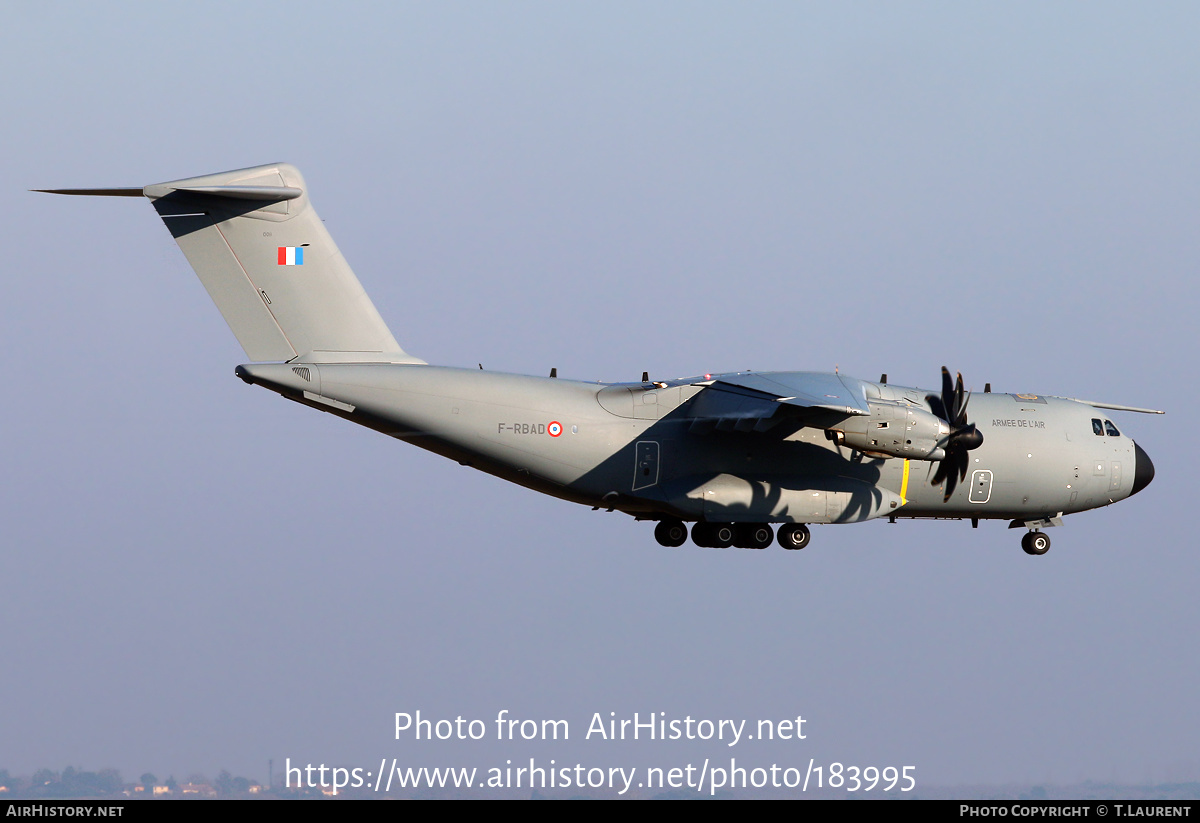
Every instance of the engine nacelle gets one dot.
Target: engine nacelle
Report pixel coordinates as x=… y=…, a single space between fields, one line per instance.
x=894 y=430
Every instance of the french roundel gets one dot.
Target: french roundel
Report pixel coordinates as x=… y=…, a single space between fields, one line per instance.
x=554 y=429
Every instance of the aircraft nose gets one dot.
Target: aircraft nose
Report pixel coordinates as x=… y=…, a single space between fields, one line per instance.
x=1143 y=469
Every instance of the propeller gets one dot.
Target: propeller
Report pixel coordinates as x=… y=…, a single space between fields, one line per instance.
x=963 y=436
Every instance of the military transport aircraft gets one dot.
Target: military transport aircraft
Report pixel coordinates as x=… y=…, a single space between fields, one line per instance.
x=733 y=454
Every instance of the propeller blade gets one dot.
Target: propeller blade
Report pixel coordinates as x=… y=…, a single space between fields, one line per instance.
x=951 y=483
x=940 y=474
x=963 y=437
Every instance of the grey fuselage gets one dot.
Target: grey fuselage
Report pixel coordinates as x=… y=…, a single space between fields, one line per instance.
x=647 y=449
x=740 y=448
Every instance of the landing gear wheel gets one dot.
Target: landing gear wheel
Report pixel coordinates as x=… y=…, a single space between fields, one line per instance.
x=713 y=535
x=794 y=536
x=670 y=533
x=1035 y=543
x=753 y=535
x=722 y=535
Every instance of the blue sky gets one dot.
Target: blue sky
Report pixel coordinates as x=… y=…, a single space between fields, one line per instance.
x=199 y=576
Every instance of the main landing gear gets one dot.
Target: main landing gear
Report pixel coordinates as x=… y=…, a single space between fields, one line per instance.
x=670 y=533
x=674 y=533
x=794 y=536
x=1035 y=543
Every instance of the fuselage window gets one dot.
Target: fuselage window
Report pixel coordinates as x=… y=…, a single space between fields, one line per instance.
x=1097 y=426
x=1111 y=429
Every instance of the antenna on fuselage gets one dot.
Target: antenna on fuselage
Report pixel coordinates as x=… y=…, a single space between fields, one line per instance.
x=553 y=372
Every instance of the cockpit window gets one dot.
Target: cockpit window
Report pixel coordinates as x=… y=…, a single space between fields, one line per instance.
x=1097 y=426
x=1111 y=429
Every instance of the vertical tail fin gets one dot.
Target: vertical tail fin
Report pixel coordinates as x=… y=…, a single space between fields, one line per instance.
x=268 y=263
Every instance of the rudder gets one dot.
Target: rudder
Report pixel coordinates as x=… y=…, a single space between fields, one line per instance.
x=267 y=261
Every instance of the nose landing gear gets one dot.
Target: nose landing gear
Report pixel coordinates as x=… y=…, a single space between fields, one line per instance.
x=1035 y=543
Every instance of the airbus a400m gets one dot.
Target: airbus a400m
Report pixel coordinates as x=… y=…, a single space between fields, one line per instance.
x=736 y=455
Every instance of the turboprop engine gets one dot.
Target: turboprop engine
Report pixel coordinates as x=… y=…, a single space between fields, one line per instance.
x=894 y=430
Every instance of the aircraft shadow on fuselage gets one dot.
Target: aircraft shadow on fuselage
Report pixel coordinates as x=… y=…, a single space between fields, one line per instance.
x=769 y=465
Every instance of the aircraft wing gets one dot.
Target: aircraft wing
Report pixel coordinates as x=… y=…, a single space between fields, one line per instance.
x=753 y=397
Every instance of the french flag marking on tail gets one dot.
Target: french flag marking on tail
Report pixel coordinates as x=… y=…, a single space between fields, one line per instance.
x=291 y=256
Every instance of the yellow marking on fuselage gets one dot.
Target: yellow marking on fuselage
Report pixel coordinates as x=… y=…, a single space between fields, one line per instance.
x=904 y=486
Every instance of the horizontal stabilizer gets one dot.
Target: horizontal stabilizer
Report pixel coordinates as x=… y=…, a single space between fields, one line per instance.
x=272 y=193
x=127 y=192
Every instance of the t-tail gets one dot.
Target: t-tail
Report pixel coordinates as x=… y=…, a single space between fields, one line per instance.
x=268 y=263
